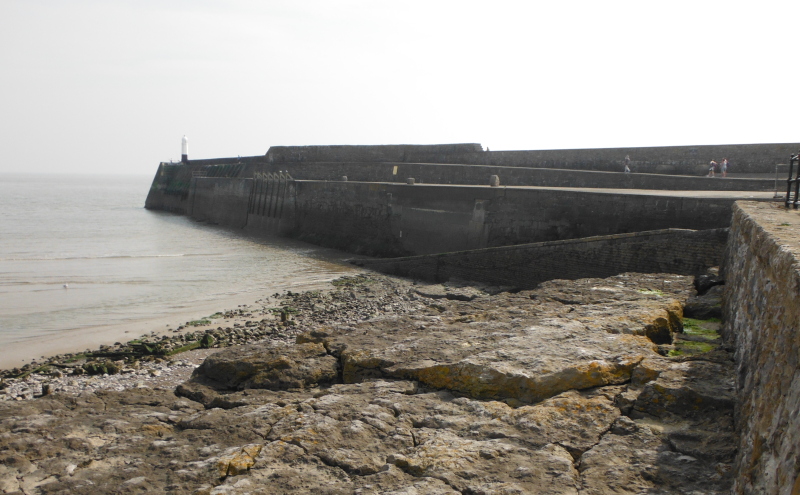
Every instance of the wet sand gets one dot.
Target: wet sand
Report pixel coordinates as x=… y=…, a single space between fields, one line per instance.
x=24 y=351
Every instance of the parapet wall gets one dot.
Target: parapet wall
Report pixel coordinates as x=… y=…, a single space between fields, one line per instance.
x=762 y=322
x=434 y=173
x=677 y=160
x=378 y=153
x=681 y=160
x=524 y=266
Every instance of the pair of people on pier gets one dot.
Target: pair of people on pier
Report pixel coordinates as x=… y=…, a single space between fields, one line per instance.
x=712 y=169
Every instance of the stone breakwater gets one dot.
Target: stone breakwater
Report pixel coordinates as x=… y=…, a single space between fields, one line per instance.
x=384 y=386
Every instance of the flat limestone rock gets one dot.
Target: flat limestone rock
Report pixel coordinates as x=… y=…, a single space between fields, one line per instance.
x=499 y=350
x=655 y=319
x=538 y=362
x=571 y=420
x=688 y=388
x=440 y=291
x=274 y=368
x=377 y=434
x=634 y=458
x=505 y=467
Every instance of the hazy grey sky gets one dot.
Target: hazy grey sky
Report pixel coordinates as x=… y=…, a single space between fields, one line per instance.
x=111 y=86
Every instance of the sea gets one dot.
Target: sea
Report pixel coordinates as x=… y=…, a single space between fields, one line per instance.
x=83 y=263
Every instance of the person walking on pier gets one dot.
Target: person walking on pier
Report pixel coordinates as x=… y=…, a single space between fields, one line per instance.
x=712 y=169
x=627 y=164
x=724 y=167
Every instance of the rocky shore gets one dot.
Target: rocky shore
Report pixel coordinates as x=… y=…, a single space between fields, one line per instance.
x=381 y=385
x=165 y=360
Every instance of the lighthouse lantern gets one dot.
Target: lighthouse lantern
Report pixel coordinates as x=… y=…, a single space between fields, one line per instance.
x=185 y=149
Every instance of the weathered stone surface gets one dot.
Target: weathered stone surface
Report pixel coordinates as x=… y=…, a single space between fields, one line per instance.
x=687 y=388
x=608 y=329
x=504 y=467
x=634 y=458
x=359 y=428
x=709 y=305
x=452 y=291
x=543 y=362
x=265 y=366
x=708 y=280
x=712 y=438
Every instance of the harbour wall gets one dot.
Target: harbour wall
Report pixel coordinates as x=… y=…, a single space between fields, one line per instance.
x=524 y=266
x=387 y=219
x=170 y=188
x=762 y=322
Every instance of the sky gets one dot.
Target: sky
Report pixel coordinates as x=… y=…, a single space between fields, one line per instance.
x=112 y=86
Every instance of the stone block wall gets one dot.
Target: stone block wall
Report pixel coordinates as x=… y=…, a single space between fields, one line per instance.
x=524 y=266
x=354 y=217
x=521 y=215
x=271 y=204
x=222 y=201
x=762 y=322
x=170 y=190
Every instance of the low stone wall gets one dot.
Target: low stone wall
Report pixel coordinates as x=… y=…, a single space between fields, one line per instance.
x=685 y=252
x=762 y=322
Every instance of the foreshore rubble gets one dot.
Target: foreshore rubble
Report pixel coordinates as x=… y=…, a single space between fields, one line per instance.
x=141 y=361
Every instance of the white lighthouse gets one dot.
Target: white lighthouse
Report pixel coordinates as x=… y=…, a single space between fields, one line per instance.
x=185 y=149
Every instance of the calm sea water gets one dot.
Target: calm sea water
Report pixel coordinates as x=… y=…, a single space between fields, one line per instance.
x=124 y=264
